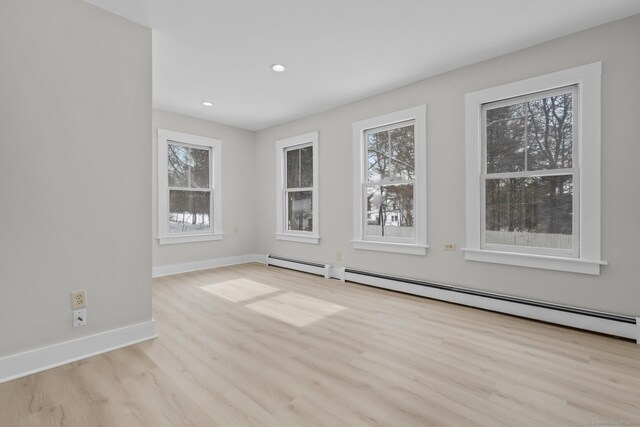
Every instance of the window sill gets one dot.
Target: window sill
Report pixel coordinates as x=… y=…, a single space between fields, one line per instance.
x=399 y=248
x=169 y=240
x=573 y=265
x=300 y=238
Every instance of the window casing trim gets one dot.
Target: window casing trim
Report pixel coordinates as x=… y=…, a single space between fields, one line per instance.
x=587 y=144
x=418 y=245
x=282 y=147
x=166 y=137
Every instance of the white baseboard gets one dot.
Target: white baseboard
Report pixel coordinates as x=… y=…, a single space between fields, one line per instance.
x=337 y=273
x=324 y=270
x=575 y=320
x=43 y=358
x=262 y=259
x=167 y=270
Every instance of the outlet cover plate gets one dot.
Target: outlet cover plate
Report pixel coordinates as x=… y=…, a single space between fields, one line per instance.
x=78 y=299
x=79 y=317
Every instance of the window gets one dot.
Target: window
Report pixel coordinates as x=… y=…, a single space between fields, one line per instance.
x=297 y=184
x=529 y=174
x=533 y=168
x=390 y=201
x=189 y=174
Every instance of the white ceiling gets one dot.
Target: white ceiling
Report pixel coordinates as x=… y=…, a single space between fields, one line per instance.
x=336 y=51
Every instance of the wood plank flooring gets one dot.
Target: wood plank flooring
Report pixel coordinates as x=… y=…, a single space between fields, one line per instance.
x=251 y=345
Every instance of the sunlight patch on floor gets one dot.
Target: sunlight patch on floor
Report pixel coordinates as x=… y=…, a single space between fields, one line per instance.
x=295 y=309
x=238 y=290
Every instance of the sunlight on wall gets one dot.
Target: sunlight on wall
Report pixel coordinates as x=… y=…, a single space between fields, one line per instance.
x=239 y=290
x=295 y=309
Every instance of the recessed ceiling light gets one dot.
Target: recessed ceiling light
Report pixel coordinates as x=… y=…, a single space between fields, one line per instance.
x=207 y=103
x=278 y=68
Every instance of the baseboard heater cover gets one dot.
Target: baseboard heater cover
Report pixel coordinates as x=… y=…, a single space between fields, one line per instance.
x=597 y=321
x=306 y=266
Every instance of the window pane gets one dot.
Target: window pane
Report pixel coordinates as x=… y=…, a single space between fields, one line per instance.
x=178 y=166
x=188 y=167
x=300 y=210
x=505 y=139
x=532 y=212
x=293 y=169
x=189 y=211
x=200 y=168
x=390 y=211
x=306 y=163
x=378 y=158
x=402 y=148
x=550 y=132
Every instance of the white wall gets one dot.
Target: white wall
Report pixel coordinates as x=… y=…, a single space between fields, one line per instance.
x=615 y=290
x=75 y=170
x=238 y=188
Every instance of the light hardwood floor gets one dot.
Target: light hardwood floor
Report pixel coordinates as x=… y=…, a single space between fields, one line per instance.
x=261 y=346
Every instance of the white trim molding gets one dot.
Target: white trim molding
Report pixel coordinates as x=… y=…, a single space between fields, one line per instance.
x=573 y=265
x=282 y=233
x=215 y=187
x=338 y=273
x=168 y=270
x=587 y=78
x=298 y=238
x=306 y=267
x=553 y=313
x=168 y=240
x=418 y=245
x=43 y=358
x=398 y=248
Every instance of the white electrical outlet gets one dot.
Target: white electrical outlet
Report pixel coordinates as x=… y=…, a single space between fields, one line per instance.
x=449 y=246
x=78 y=299
x=79 y=317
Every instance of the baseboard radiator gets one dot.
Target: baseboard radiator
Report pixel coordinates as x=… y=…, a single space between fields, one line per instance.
x=597 y=321
x=306 y=266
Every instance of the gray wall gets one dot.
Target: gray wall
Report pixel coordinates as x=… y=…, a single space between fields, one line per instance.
x=75 y=170
x=616 y=289
x=237 y=192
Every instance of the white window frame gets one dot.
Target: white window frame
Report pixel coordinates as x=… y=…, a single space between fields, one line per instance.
x=282 y=233
x=585 y=257
x=165 y=137
x=417 y=245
